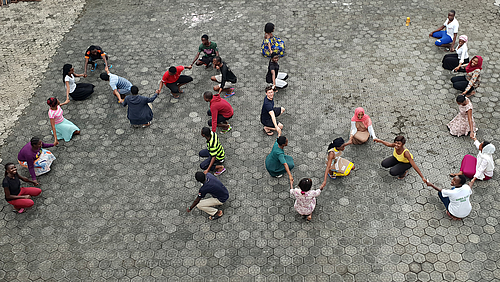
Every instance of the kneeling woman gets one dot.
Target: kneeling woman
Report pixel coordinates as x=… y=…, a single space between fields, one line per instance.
x=19 y=197
x=361 y=128
x=335 y=165
x=77 y=91
x=481 y=167
x=61 y=127
x=401 y=160
x=36 y=159
x=470 y=82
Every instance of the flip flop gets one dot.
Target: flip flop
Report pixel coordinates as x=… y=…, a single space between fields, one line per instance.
x=229 y=95
x=174 y=96
x=269 y=133
x=227 y=130
x=21 y=210
x=219 y=172
x=215 y=216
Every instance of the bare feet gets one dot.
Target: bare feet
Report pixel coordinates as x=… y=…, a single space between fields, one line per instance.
x=268 y=131
x=309 y=217
x=404 y=175
x=452 y=217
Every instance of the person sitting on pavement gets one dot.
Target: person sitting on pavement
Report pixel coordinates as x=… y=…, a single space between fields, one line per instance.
x=173 y=79
x=401 y=160
x=139 y=110
x=481 y=167
x=212 y=186
x=214 y=153
x=226 y=78
x=93 y=54
x=457 y=199
x=361 y=128
x=463 y=123
x=120 y=86
x=470 y=82
x=61 y=127
x=273 y=75
x=220 y=111
x=35 y=158
x=335 y=165
x=277 y=163
x=305 y=198
x=77 y=91
x=455 y=61
x=19 y=197
x=209 y=50
x=269 y=113
x=448 y=36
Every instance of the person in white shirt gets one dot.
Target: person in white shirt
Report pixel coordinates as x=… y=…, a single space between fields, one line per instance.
x=447 y=37
x=457 y=199
x=481 y=167
x=456 y=61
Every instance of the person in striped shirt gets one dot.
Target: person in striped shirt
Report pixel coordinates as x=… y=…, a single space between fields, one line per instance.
x=214 y=153
x=120 y=86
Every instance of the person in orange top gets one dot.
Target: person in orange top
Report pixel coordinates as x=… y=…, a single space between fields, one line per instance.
x=401 y=160
x=92 y=54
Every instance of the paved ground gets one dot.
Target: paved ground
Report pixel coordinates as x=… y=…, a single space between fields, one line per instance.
x=113 y=207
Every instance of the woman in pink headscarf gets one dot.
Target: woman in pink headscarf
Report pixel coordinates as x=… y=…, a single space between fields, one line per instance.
x=455 y=61
x=470 y=82
x=361 y=128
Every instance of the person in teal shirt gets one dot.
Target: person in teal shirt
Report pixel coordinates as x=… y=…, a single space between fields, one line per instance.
x=277 y=163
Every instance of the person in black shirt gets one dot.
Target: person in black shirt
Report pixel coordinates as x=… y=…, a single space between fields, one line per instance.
x=226 y=78
x=92 y=54
x=273 y=75
x=19 y=197
x=269 y=113
x=212 y=186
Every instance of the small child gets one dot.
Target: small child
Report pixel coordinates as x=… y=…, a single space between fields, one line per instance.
x=305 y=198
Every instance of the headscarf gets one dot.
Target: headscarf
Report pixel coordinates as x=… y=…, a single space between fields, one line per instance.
x=463 y=37
x=470 y=68
x=487 y=154
x=366 y=120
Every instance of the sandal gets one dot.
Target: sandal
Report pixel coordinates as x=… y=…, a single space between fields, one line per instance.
x=217 y=173
x=405 y=175
x=332 y=176
x=269 y=133
x=175 y=97
x=21 y=210
x=226 y=130
x=229 y=95
x=216 y=216
x=146 y=125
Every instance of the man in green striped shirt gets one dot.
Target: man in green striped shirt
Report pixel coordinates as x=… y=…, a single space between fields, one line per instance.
x=214 y=153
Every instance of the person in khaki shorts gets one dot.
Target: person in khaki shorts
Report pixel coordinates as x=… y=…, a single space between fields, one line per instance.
x=226 y=78
x=212 y=186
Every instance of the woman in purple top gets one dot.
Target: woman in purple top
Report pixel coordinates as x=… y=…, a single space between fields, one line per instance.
x=36 y=159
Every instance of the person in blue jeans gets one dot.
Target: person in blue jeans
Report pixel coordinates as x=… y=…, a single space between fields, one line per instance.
x=447 y=33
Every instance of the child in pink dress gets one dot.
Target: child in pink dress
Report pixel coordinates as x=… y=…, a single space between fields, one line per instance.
x=305 y=198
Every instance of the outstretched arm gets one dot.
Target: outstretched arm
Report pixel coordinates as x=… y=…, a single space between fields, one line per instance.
x=196 y=201
x=434 y=186
x=414 y=165
x=331 y=155
x=388 y=144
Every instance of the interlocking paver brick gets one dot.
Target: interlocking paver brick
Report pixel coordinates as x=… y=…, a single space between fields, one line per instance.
x=112 y=207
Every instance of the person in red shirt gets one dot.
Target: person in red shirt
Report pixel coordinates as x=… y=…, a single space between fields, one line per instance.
x=220 y=111
x=174 y=80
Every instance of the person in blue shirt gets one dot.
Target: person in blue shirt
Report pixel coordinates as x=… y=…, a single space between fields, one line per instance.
x=120 y=86
x=139 y=111
x=212 y=186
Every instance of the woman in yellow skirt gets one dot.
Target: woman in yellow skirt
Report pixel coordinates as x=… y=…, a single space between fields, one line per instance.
x=335 y=165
